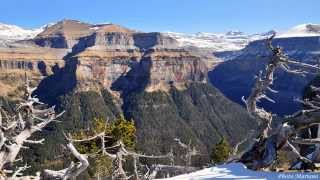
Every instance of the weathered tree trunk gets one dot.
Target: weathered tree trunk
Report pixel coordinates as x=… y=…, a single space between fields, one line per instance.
x=273 y=137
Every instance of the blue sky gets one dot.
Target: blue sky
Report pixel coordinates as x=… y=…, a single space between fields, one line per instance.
x=167 y=15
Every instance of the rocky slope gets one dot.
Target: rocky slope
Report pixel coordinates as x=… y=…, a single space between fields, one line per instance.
x=235 y=77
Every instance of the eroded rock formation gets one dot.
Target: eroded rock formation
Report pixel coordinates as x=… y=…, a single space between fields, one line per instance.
x=108 y=56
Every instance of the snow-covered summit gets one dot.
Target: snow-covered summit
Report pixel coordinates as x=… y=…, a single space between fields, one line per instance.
x=303 y=30
x=230 y=41
x=12 y=32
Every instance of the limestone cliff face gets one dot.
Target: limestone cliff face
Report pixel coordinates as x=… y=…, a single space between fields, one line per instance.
x=120 y=59
x=174 y=67
x=160 y=69
x=107 y=56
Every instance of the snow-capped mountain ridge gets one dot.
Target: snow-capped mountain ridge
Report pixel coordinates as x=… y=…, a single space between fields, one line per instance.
x=230 y=41
x=13 y=32
x=237 y=40
x=217 y=42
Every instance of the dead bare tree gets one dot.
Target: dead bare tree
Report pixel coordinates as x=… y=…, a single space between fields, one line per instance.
x=277 y=135
x=15 y=132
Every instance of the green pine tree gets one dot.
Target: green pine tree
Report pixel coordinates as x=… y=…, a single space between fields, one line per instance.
x=221 y=151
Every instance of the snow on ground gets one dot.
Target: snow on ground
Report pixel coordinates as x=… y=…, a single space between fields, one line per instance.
x=239 y=171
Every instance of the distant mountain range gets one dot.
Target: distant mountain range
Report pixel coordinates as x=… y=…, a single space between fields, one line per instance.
x=215 y=42
x=237 y=40
x=230 y=41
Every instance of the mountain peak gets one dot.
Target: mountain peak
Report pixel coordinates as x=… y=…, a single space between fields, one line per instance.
x=67 y=27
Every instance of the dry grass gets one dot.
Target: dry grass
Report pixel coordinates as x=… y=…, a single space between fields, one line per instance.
x=5 y=89
x=11 y=82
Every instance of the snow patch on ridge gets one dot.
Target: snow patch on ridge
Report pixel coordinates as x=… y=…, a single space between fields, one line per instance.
x=303 y=30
